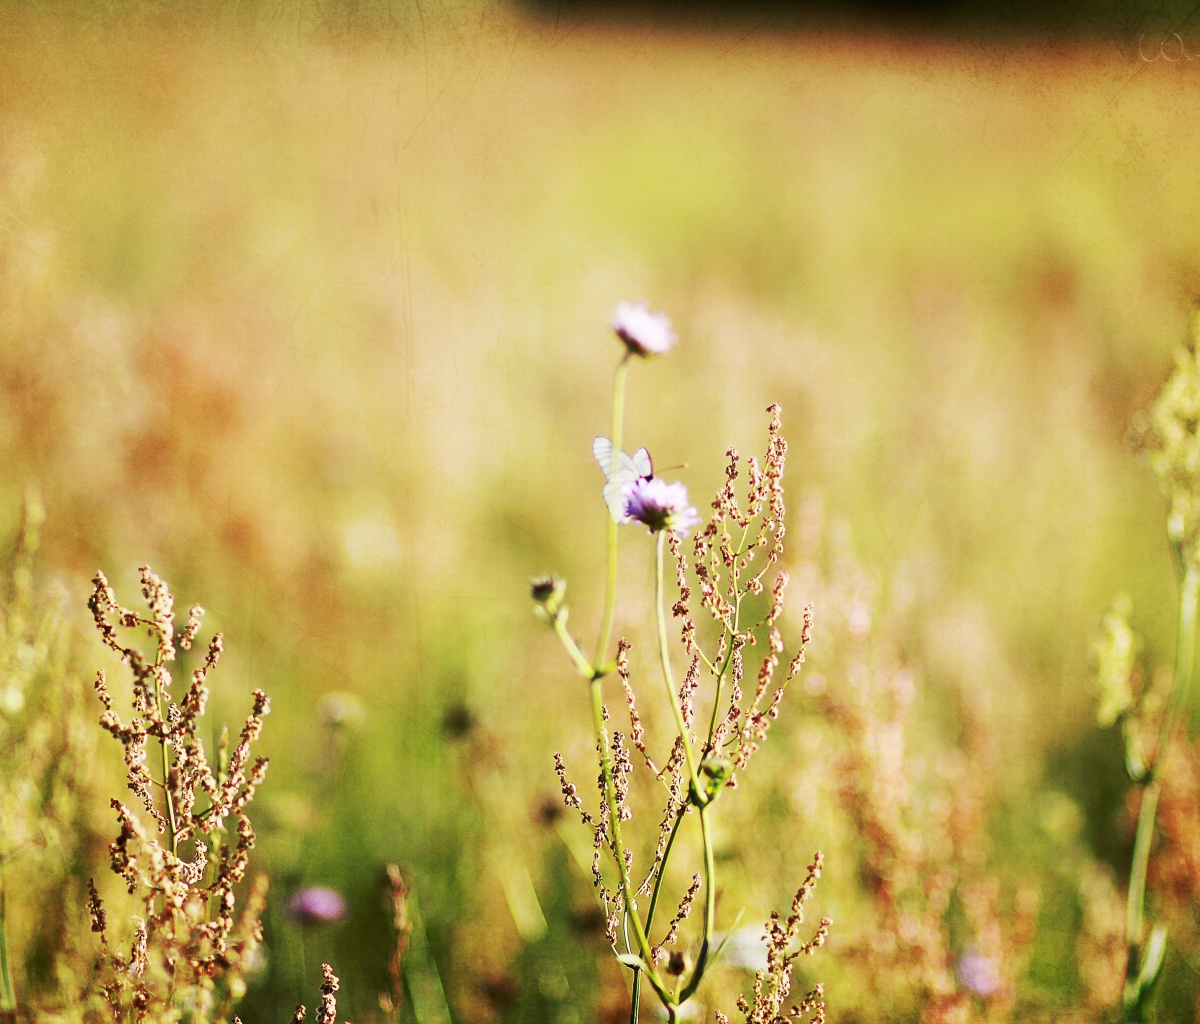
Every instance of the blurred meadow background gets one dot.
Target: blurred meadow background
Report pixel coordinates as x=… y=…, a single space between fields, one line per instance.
x=307 y=307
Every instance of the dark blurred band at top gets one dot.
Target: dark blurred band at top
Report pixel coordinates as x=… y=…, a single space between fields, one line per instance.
x=1147 y=21
x=1106 y=18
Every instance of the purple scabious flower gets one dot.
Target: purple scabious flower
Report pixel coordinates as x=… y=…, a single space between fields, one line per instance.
x=317 y=905
x=660 y=505
x=979 y=973
x=644 y=333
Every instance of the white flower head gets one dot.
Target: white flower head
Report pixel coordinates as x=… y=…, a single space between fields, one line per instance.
x=660 y=505
x=644 y=333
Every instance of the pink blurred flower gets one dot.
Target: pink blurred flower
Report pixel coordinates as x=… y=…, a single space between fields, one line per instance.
x=660 y=505
x=317 y=905
x=644 y=333
x=979 y=973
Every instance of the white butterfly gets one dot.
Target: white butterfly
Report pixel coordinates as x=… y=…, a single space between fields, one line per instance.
x=630 y=469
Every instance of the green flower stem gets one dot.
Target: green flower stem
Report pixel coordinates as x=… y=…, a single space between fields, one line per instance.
x=1136 y=907
x=581 y=663
x=710 y=890
x=8 y=995
x=610 y=593
x=1135 y=912
x=710 y=908
x=596 y=670
x=1189 y=598
x=637 y=975
x=664 y=658
x=618 y=846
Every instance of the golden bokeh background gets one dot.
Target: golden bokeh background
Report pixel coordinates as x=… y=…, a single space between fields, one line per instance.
x=309 y=312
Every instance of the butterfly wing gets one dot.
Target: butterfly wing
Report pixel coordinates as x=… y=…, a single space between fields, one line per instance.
x=643 y=464
x=614 y=495
x=602 y=449
x=626 y=473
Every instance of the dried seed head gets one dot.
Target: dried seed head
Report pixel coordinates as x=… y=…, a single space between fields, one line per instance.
x=162 y=612
x=189 y=938
x=188 y=636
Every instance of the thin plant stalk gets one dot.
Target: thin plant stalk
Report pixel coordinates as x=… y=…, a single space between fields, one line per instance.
x=719 y=672
x=610 y=795
x=610 y=799
x=694 y=781
x=596 y=670
x=635 y=1007
x=166 y=766
x=1189 y=598
x=581 y=663
x=698 y=794
x=664 y=658
x=610 y=592
x=710 y=907
x=8 y=995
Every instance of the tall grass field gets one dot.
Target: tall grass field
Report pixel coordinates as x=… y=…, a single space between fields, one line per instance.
x=308 y=309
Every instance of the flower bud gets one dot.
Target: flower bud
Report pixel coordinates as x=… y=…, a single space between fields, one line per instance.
x=677 y=963
x=548 y=591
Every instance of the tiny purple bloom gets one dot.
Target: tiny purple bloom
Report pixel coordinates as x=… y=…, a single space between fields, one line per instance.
x=317 y=905
x=979 y=973
x=644 y=333
x=660 y=505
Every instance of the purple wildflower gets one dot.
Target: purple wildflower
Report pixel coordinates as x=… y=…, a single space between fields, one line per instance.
x=317 y=905
x=660 y=505
x=644 y=333
x=979 y=973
